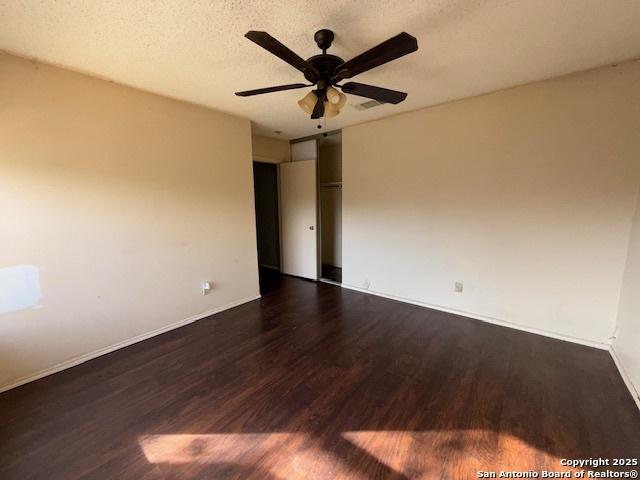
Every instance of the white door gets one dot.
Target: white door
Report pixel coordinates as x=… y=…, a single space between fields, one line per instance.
x=298 y=218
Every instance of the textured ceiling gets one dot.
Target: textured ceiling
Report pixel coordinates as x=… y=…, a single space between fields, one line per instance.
x=195 y=50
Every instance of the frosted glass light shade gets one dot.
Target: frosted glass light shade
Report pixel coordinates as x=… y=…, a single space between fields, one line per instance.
x=308 y=102
x=330 y=110
x=333 y=95
x=341 y=100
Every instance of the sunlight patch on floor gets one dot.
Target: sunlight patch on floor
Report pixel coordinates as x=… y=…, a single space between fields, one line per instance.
x=403 y=453
x=426 y=454
x=219 y=447
x=278 y=454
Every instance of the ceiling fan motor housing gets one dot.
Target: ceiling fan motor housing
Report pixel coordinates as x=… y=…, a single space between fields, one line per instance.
x=325 y=64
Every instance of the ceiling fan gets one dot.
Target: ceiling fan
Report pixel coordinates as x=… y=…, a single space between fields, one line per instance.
x=325 y=71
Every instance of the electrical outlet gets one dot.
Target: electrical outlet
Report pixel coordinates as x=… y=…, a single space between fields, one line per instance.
x=206 y=287
x=458 y=287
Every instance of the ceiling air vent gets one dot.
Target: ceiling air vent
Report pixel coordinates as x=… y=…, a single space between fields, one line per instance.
x=367 y=105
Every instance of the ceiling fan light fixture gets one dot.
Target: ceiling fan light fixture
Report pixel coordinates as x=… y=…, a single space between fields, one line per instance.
x=342 y=99
x=308 y=102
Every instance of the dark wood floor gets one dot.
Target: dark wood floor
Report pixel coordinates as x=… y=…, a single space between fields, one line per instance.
x=316 y=382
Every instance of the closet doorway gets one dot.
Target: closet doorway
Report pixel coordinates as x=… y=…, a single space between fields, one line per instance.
x=265 y=185
x=330 y=206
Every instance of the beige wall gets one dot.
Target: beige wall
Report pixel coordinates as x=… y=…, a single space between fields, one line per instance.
x=627 y=343
x=270 y=150
x=115 y=206
x=525 y=195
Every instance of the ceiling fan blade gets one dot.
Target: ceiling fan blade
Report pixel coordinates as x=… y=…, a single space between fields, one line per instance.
x=260 y=91
x=395 y=47
x=318 y=110
x=377 y=93
x=269 y=43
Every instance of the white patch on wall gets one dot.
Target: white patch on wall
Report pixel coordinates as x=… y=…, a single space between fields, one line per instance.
x=19 y=288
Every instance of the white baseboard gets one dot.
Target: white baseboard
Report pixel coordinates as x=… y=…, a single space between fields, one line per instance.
x=627 y=380
x=483 y=318
x=103 y=351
